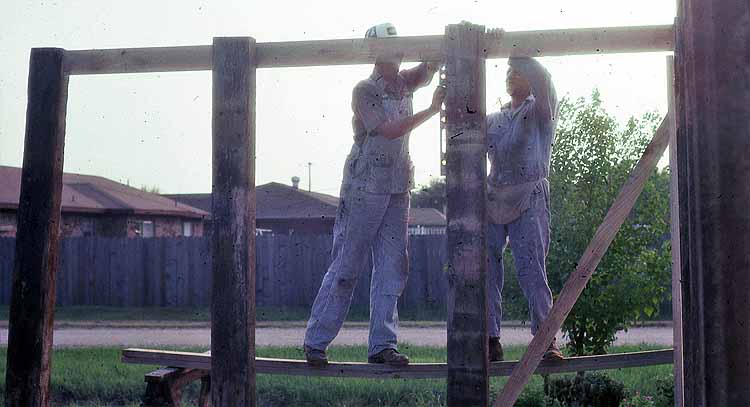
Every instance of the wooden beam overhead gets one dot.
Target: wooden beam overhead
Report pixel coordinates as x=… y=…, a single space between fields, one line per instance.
x=580 y=41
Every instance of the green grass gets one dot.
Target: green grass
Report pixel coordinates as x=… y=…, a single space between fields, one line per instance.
x=95 y=377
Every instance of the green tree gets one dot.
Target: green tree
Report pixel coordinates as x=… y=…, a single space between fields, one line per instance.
x=592 y=158
x=153 y=189
x=430 y=196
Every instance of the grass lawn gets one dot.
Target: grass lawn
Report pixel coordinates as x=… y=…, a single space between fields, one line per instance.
x=96 y=377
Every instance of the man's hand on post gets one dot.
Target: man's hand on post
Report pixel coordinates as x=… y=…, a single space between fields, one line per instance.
x=437 y=99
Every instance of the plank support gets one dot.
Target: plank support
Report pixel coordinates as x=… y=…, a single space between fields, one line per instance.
x=468 y=382
x=713 y=130
x=233 y=209
x=32 y=305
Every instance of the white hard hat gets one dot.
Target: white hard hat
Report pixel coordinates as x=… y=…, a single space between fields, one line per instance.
x=381 y=31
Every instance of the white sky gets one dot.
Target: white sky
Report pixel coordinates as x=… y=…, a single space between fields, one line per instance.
x=155 y=129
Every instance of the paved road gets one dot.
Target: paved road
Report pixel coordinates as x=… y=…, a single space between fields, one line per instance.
x=292 y=336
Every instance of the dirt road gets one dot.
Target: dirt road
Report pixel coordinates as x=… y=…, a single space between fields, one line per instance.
x=292 y=336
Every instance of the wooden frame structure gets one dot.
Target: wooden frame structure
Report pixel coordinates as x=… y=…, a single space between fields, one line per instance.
x=233 y=62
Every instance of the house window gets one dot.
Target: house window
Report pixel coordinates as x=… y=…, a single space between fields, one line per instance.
x=148 y=228
x=87 y=227
x=144 y=228
x=187 y=229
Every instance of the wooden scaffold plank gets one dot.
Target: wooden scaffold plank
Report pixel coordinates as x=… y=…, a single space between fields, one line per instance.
x=202 y=361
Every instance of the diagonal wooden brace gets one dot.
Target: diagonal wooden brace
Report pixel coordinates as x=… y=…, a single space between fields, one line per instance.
x=586 y=265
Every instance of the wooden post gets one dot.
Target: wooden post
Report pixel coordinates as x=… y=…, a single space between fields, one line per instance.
x=466 y=189
x=233 y=209
x=713 y=104
x=33 y=299
x=675 y=236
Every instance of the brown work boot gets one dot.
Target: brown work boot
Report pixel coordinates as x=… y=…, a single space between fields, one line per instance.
x=553 y=352
x=495 y=350
x=316 y=357
x=389 y=357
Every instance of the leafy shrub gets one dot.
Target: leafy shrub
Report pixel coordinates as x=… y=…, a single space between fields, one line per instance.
x=587 y=390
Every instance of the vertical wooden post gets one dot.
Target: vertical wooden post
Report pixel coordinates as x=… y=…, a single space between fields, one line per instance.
x=233 y=209
x=713 y=106
x=33 y=299
x=466 y=189
x=675 y=236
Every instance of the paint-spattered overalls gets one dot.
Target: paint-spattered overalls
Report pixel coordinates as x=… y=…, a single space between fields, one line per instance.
x=372 y=216
x=519 y=149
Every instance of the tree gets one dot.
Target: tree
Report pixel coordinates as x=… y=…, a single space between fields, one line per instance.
x=592 y=158
x=150 y=189
x=430 y=196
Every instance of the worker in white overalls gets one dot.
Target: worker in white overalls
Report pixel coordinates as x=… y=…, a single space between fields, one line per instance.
x=373 y=208
x=519 y=139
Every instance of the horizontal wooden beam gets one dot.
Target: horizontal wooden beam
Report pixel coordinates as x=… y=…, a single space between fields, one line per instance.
x=580 y=41
x=413 y=371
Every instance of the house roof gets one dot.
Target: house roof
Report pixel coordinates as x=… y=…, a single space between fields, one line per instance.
x=279 y=201
x=98 y=195
x=426 y=217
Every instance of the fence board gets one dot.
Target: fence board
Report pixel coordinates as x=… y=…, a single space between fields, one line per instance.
x=177 y=271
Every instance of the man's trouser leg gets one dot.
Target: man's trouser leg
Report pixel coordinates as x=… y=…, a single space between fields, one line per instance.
x=497 y=239
x=529 y=241
x=357 y=221
x=389 y=274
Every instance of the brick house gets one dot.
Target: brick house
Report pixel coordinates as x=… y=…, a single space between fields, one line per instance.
x=284 y=209
x=96 y=206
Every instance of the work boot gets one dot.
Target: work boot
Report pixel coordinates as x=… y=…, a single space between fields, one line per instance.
x=553 y=352
x=315 y=357
x=389 y=357
x=495 y=350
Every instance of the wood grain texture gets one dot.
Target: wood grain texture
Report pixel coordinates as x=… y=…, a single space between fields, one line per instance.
x=189 y=360
x=581 y=41
x=713 y=130
x=32 y=305
x=466 y=171
x=233 y=212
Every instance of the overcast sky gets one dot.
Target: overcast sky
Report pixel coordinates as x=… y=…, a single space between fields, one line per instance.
x=155 y=129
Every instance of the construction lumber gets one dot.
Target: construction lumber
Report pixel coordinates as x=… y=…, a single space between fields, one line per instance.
x=233 y=212
x=674 y=206
x=586 y=265
x=32 y=306
x=466 y=149
x=713 y=124
x=201 y=361
x=580 y=41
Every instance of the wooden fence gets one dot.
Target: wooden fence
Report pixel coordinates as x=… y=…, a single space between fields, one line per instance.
x=176 y=271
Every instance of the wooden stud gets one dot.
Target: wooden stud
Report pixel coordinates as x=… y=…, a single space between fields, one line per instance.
x=602 y=40
x=233 y=211
x=468 y=383
x=37 y=241
x=586 y=266
x=675 y=237
x=713 y=111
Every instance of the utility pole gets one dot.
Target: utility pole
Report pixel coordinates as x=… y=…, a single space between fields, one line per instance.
x=309 y=177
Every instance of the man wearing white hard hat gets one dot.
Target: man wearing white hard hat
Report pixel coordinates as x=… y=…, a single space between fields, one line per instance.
x=373 y=210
